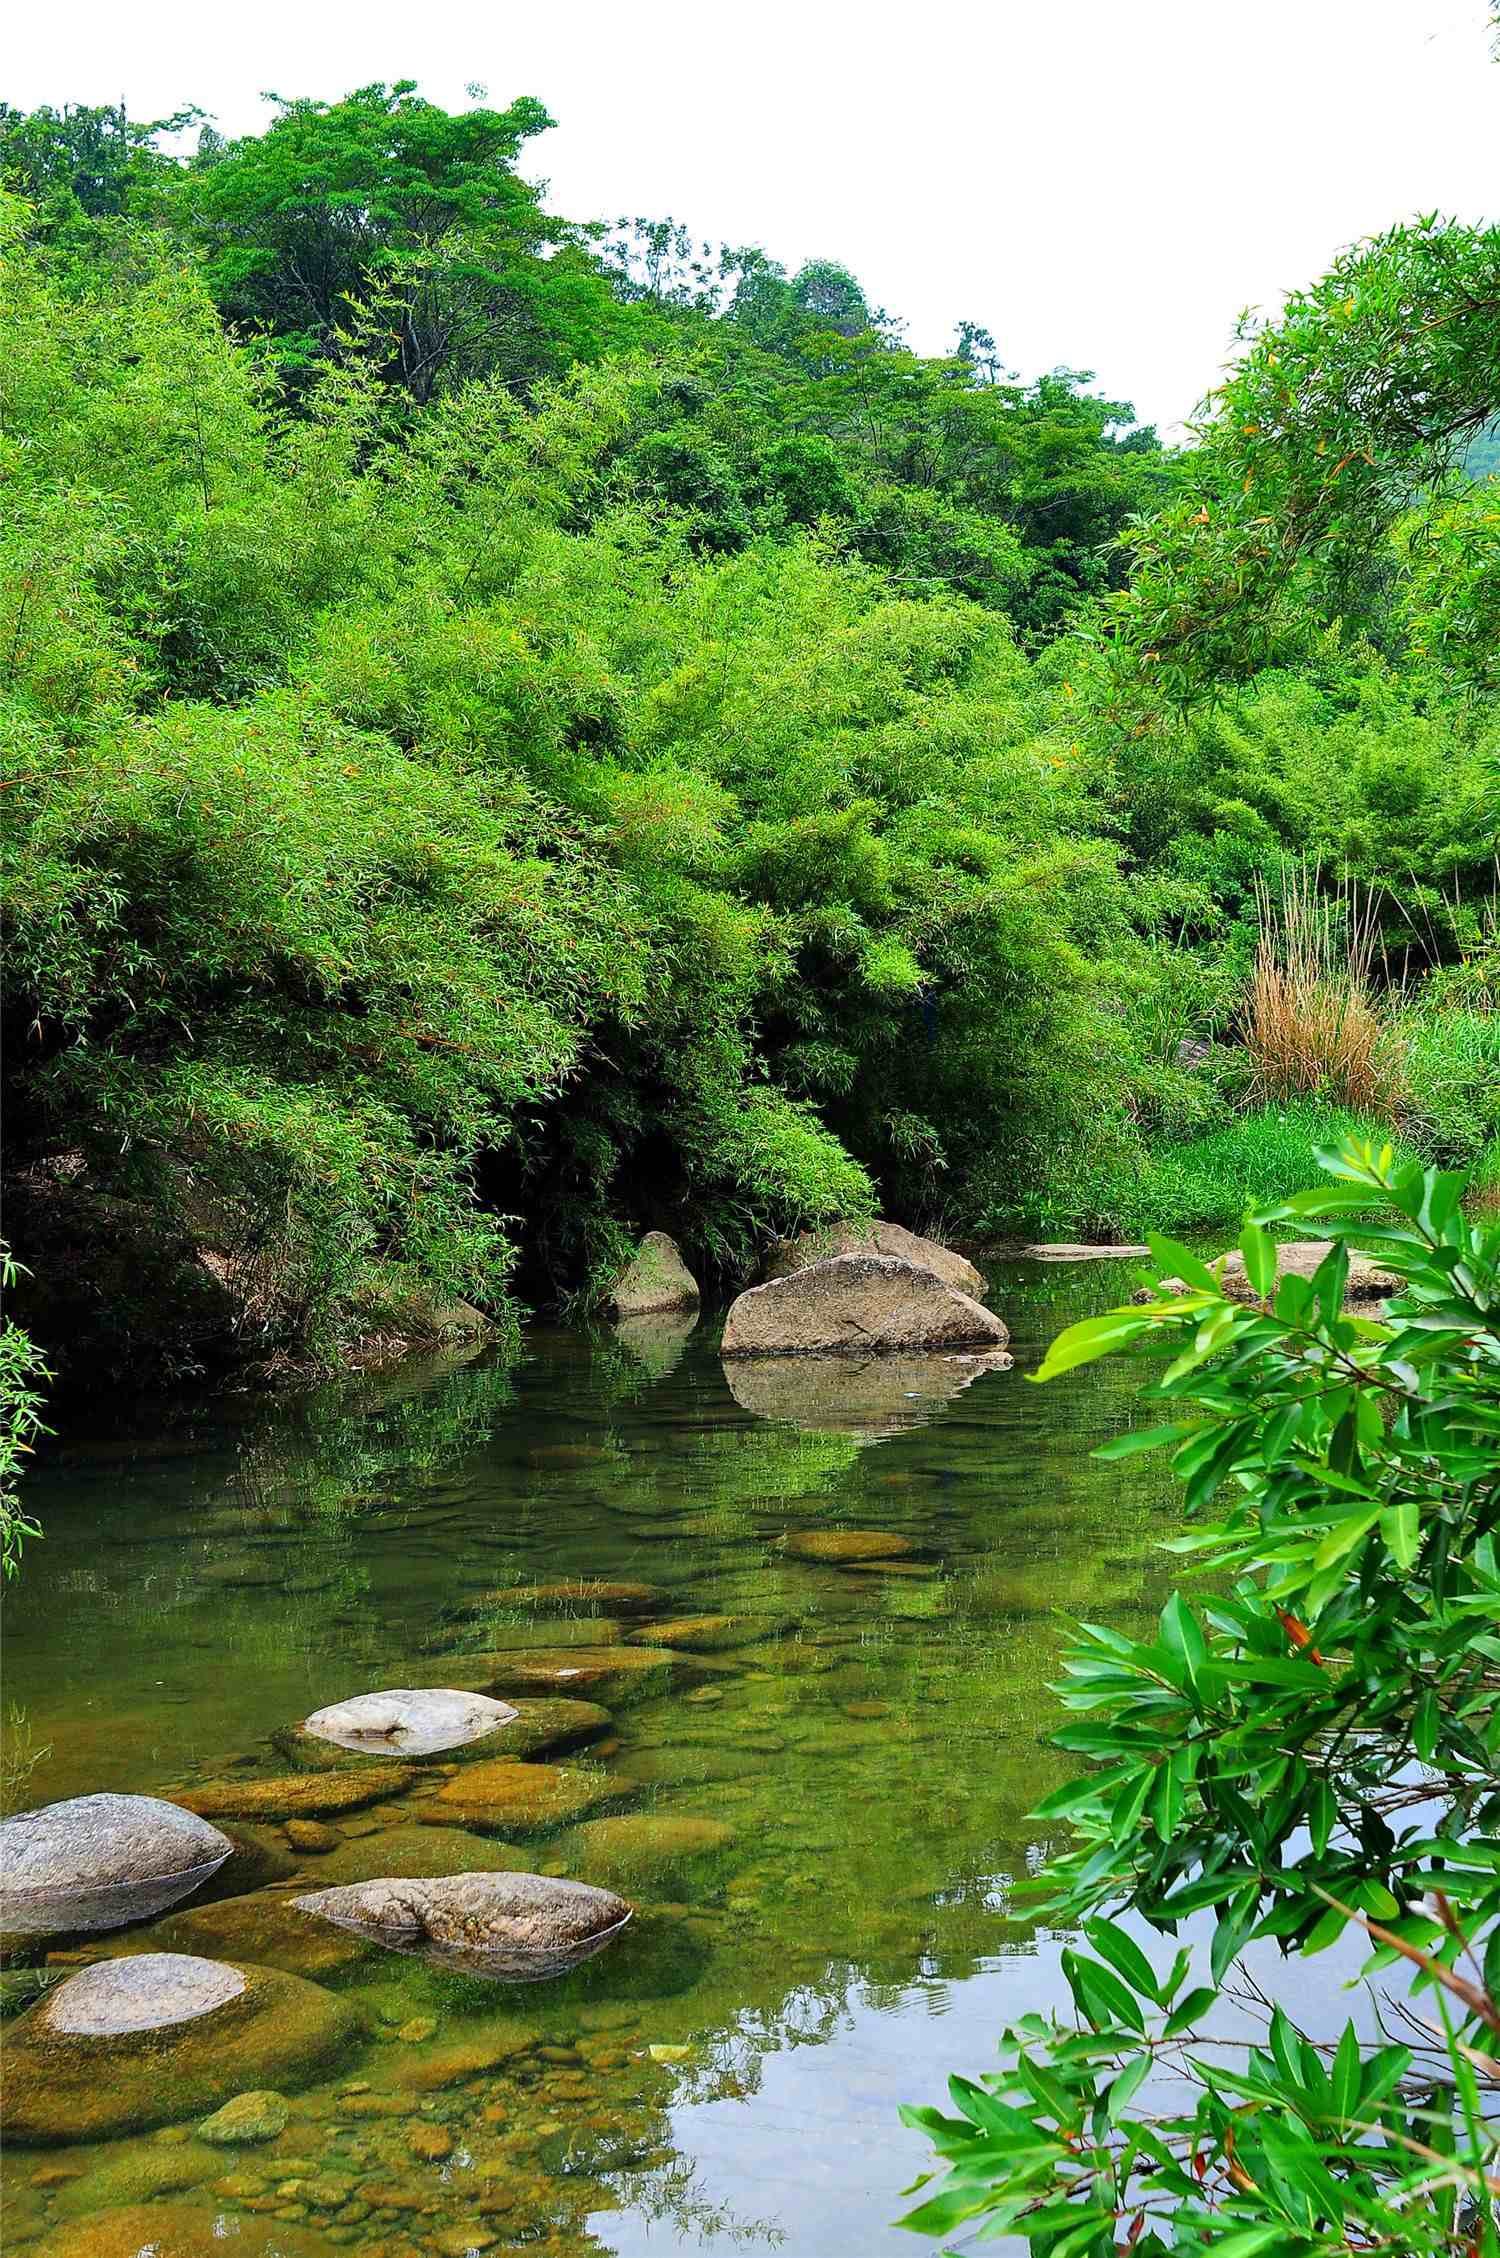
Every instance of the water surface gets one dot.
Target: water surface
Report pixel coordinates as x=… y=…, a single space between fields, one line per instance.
x=874 y=1755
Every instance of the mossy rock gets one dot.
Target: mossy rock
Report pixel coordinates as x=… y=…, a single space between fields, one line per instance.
x=295 y=1795
x=176 y=2230
x=538 y=1728
x=646 y=1849
x=655 y=1279
x=580 y=1595
x=710 y=1634
x=523 y=1799
x=265 y=1928
x=841 y=1545
x=277 y=2030
x=620 y=1673
x=418 y=1853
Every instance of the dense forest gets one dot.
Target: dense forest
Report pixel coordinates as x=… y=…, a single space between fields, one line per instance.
x=520 y=731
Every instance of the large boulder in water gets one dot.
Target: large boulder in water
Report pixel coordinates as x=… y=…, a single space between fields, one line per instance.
x=408 y=1722
x=832 y=1239
x=858 y=1304
x=519 y=1928
x=158 y=2037
x=1368 y=1280
x=655 y=1278
x=98 y=1861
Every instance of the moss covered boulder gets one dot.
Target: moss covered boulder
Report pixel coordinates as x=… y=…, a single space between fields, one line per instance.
x=616 y=1672
x=177 y=2230
x=651 y=1850
x=709 y=1634
x=580 y=1595
x=263 y=1927
x=295 y=1795
x=522 y=1799
x=530 y=1728
x=154 y=2038
x=845 y=1545
x=656 y=1278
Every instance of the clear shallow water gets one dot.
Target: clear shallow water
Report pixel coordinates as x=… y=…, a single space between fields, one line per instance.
x=873 y=1757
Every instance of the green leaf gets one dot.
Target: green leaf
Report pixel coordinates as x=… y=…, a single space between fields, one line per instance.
x=1177 y=1261
x=1259 y=1251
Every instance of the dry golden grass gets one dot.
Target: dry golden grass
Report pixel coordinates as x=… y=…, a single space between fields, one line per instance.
x=1312 y=1024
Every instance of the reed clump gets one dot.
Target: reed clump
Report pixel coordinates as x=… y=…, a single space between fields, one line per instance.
x=1313 y=1024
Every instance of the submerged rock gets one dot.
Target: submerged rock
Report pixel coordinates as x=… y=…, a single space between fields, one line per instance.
x=521 y=1928
x=868 y=1396
x=845 y=1544
x=408 y=1721
x=261 y=1928
x=297 y=1795
x=421 y=1853
x=158 y=2037
x=176 y=2230
x=865 y=1304
x=97 y=1861
x=504 y=1798
x=875 y=1238
x=248 y=2119
x=656 y=1278
x=1368 y=1280
x=579 y=1595
x=615 y=1670
x=644 y=1847
x=710 y=1634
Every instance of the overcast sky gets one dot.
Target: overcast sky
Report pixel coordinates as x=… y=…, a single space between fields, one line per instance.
x=1102 y=184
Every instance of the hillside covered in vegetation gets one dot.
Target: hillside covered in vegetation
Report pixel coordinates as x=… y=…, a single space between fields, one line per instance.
x=520 y=733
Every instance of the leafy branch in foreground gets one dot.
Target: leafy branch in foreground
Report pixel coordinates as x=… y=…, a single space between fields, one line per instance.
x=1309 y=1749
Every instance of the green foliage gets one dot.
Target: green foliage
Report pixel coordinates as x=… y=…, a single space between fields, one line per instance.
x=1309 y=1750
x=1341 y=415
x=22 y=1370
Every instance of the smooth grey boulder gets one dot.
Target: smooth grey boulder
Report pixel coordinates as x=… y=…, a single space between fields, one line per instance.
x=832 y=1239
x=655 y=1278
x=98 y=1861
x=519 y=1928
x=868 y=1396
x=1368 y=1280
x=149 y=1991
x=408 y=1721
x=858 y=1304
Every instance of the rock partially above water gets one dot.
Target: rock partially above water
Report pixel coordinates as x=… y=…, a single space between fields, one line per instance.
x=869 y=1396
x=1368 y=1280
x=858 y=1303
x=518 y=1927
x=845 y=1544
x=656 y=1278
x=149 y=1993
x=97 y=1861
x=159 y=2037
x=408 y=1721
x=875 y=1238
x=297 y=1795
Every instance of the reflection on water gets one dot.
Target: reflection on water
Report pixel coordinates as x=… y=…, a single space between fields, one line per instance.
x=727 y=2072
x=873 y=1396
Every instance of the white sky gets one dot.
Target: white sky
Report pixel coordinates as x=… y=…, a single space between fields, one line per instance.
x=1104 y=184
